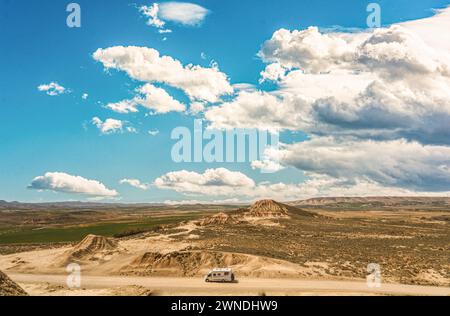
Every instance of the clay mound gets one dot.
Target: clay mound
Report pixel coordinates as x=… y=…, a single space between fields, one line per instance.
x=268 y=208
x=219 y=219
x=92 y=244
x=92 y=247
x=9 y=288
x=198 y=263
x=186 y=263
x=261 y=210
x=271 y=208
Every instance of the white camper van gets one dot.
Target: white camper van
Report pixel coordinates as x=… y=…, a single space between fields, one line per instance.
x=220 y=275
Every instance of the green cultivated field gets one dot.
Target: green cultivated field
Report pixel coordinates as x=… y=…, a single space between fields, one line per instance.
x=75 y=233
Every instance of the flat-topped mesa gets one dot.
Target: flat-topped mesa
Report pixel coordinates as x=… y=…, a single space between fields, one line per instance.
x=271 y=208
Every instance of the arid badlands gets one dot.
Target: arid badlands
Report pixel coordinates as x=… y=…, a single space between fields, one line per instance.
x=312 y=247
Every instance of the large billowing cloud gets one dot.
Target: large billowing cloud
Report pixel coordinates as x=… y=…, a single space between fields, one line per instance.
x=375 y=103
x=395 y=163
x=395 y=52
x=308 y=49
x=388 y=111
x=388 y=83
x=147 y=65
x=255 y=109
x=66 y=183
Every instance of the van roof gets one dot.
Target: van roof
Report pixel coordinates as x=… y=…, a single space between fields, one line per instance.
x=221 y=270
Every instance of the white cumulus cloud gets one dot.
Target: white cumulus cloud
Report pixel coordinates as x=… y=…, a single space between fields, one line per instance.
x=219 y=181
x=382 y=94
x=147 y=65
x=66 y=183
x=256 y=109
x=396 y=163
x=387 y=83
x=158 y=100
x=109 y=126
x=151 y=12
x=150 y=97
x=273 y=72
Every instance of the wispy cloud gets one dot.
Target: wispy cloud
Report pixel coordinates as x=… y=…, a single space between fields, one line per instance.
x=181 y=13
x=153 y=132
x=135 y=183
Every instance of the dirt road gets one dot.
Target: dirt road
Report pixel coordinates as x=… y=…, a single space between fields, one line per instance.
x=191 y=286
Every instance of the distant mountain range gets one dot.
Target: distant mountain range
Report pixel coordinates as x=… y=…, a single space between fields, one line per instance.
x=372 y=201
x=71 y=205
x=4 y=205
x=314 y=202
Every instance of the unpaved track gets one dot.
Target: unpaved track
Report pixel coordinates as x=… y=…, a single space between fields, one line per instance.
x=191 y=286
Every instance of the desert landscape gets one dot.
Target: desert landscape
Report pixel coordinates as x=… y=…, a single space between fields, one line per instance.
x=309 y=247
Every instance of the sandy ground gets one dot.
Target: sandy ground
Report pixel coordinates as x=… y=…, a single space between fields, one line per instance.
x=120 y=260
x=98 y=285
x=51 y=261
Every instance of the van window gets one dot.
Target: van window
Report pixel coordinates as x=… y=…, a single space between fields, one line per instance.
x=227 y=273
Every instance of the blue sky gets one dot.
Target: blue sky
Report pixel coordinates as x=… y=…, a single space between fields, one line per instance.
x=42 y=134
